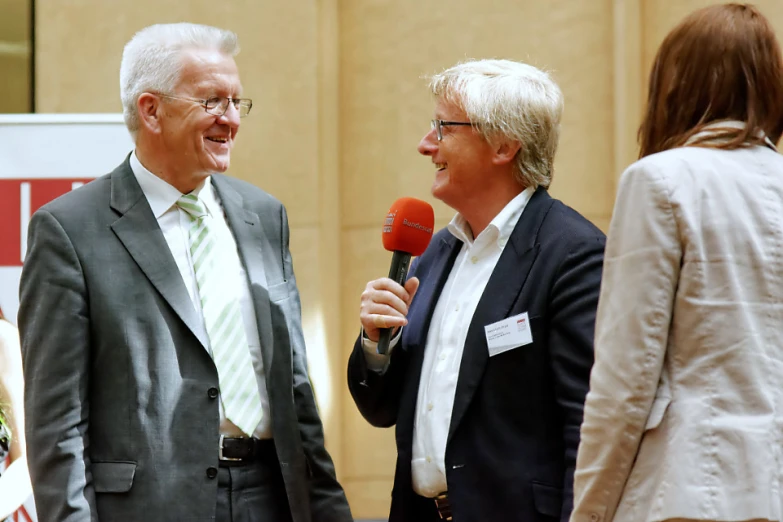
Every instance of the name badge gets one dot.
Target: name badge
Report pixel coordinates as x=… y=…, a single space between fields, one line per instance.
x=508 y=334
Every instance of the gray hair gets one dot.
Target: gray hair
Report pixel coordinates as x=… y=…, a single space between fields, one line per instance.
x=512 y=100
x=152 y=60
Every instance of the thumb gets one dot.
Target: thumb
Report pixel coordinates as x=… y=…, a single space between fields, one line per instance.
x=411 y=286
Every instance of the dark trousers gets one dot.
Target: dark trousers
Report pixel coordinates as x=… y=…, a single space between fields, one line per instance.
x=424 y=509
x=251 y=492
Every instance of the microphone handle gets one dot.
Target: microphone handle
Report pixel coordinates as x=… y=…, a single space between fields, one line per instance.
x=398 y=272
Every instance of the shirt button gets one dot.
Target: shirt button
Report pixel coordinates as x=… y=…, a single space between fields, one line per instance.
x=502 y=243
x=429 y=407
x=429 y=459
x=474 y=260
x=211 y=473
x=213 y=393
x=442 y=357
x=456 y=308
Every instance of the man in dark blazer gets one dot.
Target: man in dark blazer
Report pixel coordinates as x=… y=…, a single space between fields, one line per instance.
x=165 y=366
x=486 y=381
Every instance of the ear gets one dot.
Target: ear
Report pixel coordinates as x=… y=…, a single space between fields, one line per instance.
x=505 y=152
x=149 y=108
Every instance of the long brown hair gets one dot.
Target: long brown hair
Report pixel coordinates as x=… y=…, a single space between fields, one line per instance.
x=721 y=62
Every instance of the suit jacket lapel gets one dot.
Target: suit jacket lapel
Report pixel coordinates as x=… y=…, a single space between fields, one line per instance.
x=254 y=251
x=139 y=232
x=502 y=291
x=415 y=335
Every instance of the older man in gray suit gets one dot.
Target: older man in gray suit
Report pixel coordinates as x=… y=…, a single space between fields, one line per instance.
x=161 y=331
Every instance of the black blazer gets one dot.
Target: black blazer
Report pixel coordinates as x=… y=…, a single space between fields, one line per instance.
x=514 y=432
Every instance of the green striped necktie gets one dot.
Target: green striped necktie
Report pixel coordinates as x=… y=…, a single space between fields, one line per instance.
x=223 y=321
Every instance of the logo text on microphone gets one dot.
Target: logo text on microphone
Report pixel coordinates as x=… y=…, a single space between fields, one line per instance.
x=387 y=224
x=417 y=226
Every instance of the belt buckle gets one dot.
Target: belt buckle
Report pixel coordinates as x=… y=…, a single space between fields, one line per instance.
x=220 y=452
x=443 y=506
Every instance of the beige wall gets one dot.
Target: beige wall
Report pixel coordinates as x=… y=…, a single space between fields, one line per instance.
x=339 y=107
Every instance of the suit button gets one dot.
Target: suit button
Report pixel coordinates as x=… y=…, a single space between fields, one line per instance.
x=211 y=473
x=213 y=393
x=595 y=517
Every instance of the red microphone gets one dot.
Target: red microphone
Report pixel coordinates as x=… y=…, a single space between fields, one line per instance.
x=407 y=231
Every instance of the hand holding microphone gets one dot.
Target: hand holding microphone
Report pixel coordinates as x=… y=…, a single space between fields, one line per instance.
x=407 y=231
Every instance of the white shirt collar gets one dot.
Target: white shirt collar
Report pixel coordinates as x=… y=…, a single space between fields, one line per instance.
x=501 y=225
x=162 y=196
x=715 y=127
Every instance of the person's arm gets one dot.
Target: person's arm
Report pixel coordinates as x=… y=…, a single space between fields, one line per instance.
x=574 y=300
x=376 y=394
x=640 y=278
x=55 y=334
x=327 y=499
x=375 y=380
x=15 y=485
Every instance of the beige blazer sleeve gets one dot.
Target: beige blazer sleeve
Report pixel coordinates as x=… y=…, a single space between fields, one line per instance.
x=641 y=270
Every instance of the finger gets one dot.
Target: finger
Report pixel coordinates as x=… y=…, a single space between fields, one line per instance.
x=383 y=302
x=373 y=323
x=386 y=321
x=386 y=284
x=379 y=321
x=411 y=286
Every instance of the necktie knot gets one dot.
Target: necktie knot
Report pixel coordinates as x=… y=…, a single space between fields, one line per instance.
x=192 y=205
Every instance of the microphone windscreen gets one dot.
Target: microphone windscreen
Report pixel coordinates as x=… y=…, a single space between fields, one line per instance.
x=408 y=226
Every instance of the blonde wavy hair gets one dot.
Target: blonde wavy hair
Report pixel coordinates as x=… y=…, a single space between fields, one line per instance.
x=511 y=100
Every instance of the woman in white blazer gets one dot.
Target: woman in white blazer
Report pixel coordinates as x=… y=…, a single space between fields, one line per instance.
x=684 y=418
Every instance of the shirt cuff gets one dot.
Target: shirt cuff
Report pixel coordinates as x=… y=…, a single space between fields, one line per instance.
x=375 y=361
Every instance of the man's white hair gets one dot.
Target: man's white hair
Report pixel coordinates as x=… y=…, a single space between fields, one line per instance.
x=509 y=100
x=152 y=60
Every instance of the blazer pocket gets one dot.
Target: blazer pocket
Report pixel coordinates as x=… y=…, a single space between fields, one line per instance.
x=278 y=292
x=548 y=500
x=113 y=477
x=659 y=406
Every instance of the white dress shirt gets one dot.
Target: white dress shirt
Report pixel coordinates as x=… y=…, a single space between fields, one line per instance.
x=175 y=224
x=446 y=339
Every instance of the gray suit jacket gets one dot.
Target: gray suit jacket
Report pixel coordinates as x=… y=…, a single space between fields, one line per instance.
x=120 y=424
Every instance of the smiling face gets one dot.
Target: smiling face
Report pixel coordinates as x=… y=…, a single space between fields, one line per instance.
x=462 y=159
x=196 y=142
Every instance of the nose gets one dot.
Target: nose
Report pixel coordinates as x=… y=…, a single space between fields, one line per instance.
x=230 y=117
x=428 y=144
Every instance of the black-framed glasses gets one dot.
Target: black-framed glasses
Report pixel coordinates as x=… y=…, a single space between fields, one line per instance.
x=438 y=125
x=218 y=105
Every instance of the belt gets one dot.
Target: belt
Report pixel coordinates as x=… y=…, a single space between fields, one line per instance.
x=245 y=449
x=443 y=506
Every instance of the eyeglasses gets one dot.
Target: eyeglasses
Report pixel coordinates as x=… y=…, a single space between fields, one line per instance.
x=438 y=125
x=218 y=105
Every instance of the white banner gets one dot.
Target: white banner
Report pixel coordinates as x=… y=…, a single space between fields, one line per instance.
x=43 y=156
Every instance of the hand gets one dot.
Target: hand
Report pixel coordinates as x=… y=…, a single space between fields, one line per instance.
x=385 y=305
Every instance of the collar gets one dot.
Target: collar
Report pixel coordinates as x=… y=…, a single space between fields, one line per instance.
x=162 y=196
x=501 y=225
x=713 y=132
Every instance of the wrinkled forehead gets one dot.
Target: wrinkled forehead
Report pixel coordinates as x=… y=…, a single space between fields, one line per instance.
x=209 y=70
